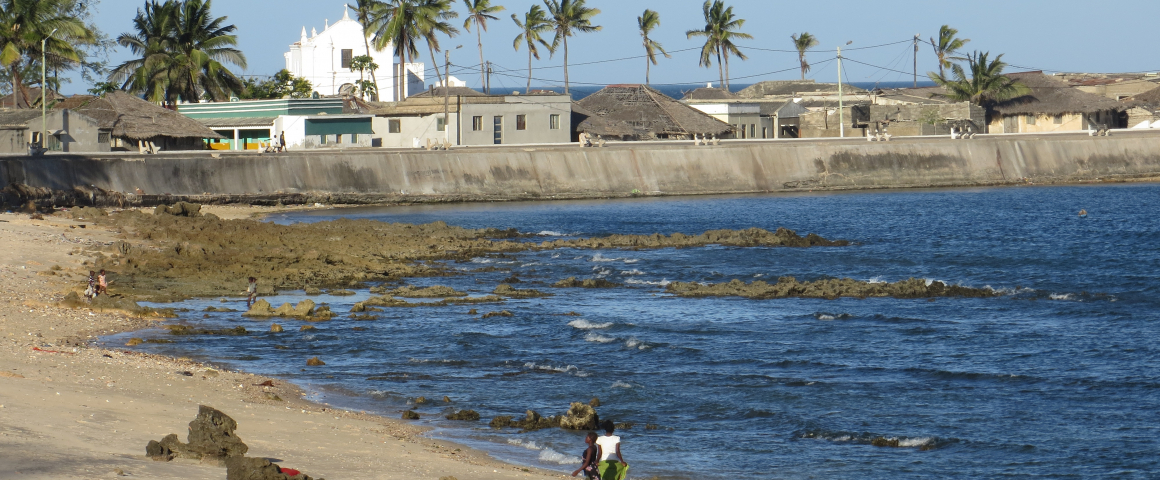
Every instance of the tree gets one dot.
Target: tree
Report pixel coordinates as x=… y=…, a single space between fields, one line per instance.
x=648 y=21
x=363 y=64
x=719 y=31
x=182 y=48
x=570 y=16
x=395 y=24
x=432 y=14
x=280 y=85
x=479 y=12
x=535 y=24
x=364 y=11
x=802 y=43
x=25 y=24
x=946 y=46
x=101 y=88
x=986 y=84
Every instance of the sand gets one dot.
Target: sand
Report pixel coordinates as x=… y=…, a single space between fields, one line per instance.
x=71 y=410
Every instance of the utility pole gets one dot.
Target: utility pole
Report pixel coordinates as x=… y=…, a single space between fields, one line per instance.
x=916 y=60
x=43 y=92
x=446 y=92
x=841 y=110
x=487 y=85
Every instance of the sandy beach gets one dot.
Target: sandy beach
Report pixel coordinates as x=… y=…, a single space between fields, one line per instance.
x=71 y=410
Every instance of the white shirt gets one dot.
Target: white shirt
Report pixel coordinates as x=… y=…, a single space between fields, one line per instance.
x=607 y=446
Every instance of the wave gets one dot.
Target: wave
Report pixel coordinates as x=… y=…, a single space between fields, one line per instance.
x=832 y=316
x=662 y=283
x=547 y=455
x=481 y=260
x=602 y=259
x=620 y=384
x=583 y=324
x=570 y=369
x=632 y=272
x=553 y=233
x=1056 y=296
x=864 y=438
x=637 y=344
x=597 y=338
x=878 y=279
x=445 y=361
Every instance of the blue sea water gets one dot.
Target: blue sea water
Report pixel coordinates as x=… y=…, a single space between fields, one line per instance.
x=1059 y=377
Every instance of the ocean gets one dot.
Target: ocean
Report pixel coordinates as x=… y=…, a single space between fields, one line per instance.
x=678 y=91
x=1057 y=377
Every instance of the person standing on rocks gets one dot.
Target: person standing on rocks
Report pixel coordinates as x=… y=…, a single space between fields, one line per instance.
x=589 y=457
x=609 y=444
x=251 y=292
x=102 y=284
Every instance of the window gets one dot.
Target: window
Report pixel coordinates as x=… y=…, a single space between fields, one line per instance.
x=476 y=124
x=1031 y=119
x=440 y=124
x=1058 y=120
x=521 y=122
x=554 y=122
x=764 y=132
x=742 y=130
x=347 y=57
x=753 y=130
x=394 y=125
x=103 y=138
x=497 y=130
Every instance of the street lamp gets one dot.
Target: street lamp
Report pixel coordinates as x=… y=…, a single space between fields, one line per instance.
x=841 y=112
x=44 y=92
x=447 y=92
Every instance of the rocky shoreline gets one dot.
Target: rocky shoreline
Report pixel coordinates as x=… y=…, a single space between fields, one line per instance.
x=790 y=287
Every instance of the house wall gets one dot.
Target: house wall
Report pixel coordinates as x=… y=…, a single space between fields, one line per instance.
x=415 y=131
x=538 y=111
x=14 y=140
x=1068 y=122
x=823 y=123
x=82 y=133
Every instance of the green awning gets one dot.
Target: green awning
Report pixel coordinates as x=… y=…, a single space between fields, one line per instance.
x=338 y=126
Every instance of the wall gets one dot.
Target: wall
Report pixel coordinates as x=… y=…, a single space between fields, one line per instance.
x=421 y=127
x=617 y=170
x=82 y=135
x=1069 y=122
x=538 y=110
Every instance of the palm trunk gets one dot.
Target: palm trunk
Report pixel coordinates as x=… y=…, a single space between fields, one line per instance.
x=726 y=71
x=435 y=63
x=720 y=67
x=19 y=96
x=802 y=62
x=566 y=92
x=529 y=90
x=647 y=67
x=373 y=77
x=482 y=66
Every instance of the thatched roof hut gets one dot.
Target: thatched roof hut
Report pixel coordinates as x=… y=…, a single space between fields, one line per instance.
x=1051 y=96
x=710 y=94
x=1149 y=99
x=136 y=120
x=638 y=112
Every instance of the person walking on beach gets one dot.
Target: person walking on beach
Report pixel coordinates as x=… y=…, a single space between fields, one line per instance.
x=102 y=284
x=251 y=292
x=91 y=292
x=589 y=458
x=609 y=444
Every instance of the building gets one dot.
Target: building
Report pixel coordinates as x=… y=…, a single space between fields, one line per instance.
x=68 y=131
x=307 y=123
x=324 y=58
x=1117 y=86
x=750 y=118
x=473 y=118
x=135 y=124
x=920 y=111
x=1053 y=106
x=800 y=90
x=1143 y=110
x=638 y=112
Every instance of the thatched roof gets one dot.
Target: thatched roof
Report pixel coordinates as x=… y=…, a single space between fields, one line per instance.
x=130 y=117
x=33 y=97
x=640 y=111
x=706 y=93
x=789 y=88
x=17 y=118
x=1052 y=96
x=1149 y=99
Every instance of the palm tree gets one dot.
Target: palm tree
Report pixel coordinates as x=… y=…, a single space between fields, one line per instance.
x=802 y=43
x=719 y=32
x=648 y=21
x=946 y=46
x=24 y=24
x=395 y=23
x=535 y=24
x=182 y=49
x=430 y=18
x=986 y=84
x=569 y=16
x=479 y=12
x=365 y=14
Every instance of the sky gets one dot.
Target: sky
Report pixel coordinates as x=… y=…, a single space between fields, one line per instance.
x=1049 y=35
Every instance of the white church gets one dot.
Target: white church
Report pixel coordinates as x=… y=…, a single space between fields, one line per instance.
x=324 y=59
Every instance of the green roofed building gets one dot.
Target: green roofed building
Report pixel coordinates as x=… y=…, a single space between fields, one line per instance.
x=307 y=123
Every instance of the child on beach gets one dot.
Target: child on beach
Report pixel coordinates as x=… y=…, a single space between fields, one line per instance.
x=251 y=292
x=589 y=458
x=609 y=444
x=102 y=284
x=91 y=292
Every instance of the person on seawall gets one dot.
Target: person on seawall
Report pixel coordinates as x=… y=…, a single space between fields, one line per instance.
x=589 y=458
x=609 y=444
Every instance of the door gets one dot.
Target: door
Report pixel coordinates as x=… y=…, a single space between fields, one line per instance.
x=1011 y=124
x=497 y=128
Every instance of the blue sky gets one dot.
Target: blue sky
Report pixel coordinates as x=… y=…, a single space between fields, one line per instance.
x=1054 y=35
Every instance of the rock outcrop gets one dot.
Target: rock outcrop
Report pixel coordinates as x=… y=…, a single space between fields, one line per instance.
x=252 y=468
x=211 y=434
x=573 y=282
x=580 y=416
x=787 y=287
x=262 y=309
x=508 y=291
x=179 y=209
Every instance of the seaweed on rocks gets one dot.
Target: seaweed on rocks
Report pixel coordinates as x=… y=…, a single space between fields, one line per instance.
x=751 y=237
x=188 y=330
x=437 y=291
x=464 y=416
x=508 y=291
x=789 y=287
x=573 y=282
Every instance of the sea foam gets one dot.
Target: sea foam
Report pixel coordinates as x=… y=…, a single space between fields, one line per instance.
x=583 y=324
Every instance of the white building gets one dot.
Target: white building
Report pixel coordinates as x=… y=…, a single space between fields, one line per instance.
x=324 y=59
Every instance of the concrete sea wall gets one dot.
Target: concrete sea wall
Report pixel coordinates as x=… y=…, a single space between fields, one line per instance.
x=617 y=170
